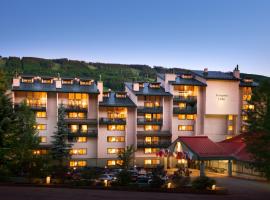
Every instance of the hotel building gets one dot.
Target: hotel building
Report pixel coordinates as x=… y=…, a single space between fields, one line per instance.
x=149 y=116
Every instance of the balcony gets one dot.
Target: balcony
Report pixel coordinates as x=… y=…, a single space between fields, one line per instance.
x=81 y=121
x=163 y=144
x=186 y=110
x=186 y=99
x=34 y=107
x=154 y=133
x=73 y=108
x=89 y=133
x=108 y=121
x=143 y=109
x=145 y=121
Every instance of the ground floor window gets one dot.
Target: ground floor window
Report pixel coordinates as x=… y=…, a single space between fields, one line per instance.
x=151 y=162
x=114 y=150
x=114 y=162
x=115 y=139
x=40 y=152
x=81 y=151
x=81 y=139
x=185 y=128
x=77 y=163
x=151 y=150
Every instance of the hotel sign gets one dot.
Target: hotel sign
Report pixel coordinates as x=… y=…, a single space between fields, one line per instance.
x=222 y=97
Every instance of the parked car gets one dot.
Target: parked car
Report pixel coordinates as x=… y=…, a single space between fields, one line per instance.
x=104 y=177
x=142 y=181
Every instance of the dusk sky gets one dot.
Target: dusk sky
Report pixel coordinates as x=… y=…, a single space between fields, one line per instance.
x=194 y=34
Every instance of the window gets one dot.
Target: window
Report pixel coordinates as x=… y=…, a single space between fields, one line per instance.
x=246 y=97
x=27 y=80
x=151 y=127
x=76 y=115
x=46 y=81
x=117 y=113
x=89 y=82
x=121 y=95
x=84 y=128
x=36 y=99
x=41 y=114
x=149 y=116
x=244 y=117
x=81 y=139
x=191 y=117
x=67 y=82
x=115 y=139
x=77 y=163
x=150 y=150
x=154 y=85
x=181 y=117
x=185 y=128
x=43 y=139
x=40 y=152
x=81 y=151
x=188 y=117
x=230 y=128
x=114 y=150
x=151 y=140
x=74 y=128
x=230 y=117
x=152 y=162
x=114 y=162
x=182 y=105
x=116 y=127
x=41 y=127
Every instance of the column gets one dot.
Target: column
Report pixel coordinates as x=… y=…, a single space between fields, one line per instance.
x=229 y=167
x=165 y=163
x=202 y=168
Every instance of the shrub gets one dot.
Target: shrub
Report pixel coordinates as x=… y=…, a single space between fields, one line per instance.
x=123 y=178
x=180 y=181
x=203 y=182
x=156 y=182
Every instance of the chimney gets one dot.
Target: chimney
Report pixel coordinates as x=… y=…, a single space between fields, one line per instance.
x=205 y=71
x=100 y=89
x=16 y=82
x=58 y=83
x=236 y=72
x=136 y=87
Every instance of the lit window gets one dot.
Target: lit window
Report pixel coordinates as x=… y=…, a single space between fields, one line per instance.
x=115 y=139
x=191 y=117
x=185 y=128
x=40 y=114
x=76 y=115
x=151 y=127
x=27 y=80
x=245 y=117
x=81 y=139
x=41 y=127
x=89 y=82
x=114 y=150
x=40 y=152
x=78 y=100
x=47 y=81
x=43 y=139
x=228 y=137
x=36 y=99
x=230 y=117
x=181 y=117
x=151 y=162
x=114 y=162
x=79 y=163
x=74 y=128
x=150 y=150
x=81 y=151
x=230 y=128
x=251 y=107
x=84 y=128
x=116 y=127
x=182 y=105
x=151 y=140
x=67 y=82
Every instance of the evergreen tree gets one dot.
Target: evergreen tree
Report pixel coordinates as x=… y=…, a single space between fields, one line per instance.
x=60 y=148
x=126 y=157
x=258 y=137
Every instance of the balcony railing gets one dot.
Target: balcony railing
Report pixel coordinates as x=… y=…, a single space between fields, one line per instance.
x=143 y=144
x=73 y=108
x=34 y=107
x=79 y=133
x=143 y=109
x=154 y=133
x=143 y=121
x=186 y=110
x=187 y=99
x=112 y=121
x=81 y=121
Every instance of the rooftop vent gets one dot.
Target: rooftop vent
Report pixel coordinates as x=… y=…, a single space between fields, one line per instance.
x=154 y=85
x=205 y=71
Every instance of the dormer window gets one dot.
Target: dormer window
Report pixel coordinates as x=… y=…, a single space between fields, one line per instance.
x=67 y=82
x=186 y=76
x=106 y=94
x=47 y=81
x=89 y=82
x=154 y=85
x=248 y=80
x=121 y=95
x=27 y=80
x=141 y=84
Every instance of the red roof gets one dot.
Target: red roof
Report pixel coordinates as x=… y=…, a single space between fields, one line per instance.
x=206 y=148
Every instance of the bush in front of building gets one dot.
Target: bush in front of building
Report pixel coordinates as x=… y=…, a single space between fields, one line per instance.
x=203 y=182
x=179 y=181
x=123 y=178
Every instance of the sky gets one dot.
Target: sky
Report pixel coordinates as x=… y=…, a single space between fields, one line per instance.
x=193 y=34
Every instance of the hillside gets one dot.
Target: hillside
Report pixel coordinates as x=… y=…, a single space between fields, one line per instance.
x=113 y=75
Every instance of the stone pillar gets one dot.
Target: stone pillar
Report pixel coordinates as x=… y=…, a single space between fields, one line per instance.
x=202 y=168
x=165 y=163
x=229 y=167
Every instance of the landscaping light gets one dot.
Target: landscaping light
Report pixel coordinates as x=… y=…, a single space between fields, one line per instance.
x=48 y=180
x=213 y=187
x=169 y=185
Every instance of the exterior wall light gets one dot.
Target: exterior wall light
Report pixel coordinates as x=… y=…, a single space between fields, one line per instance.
x=48 y=180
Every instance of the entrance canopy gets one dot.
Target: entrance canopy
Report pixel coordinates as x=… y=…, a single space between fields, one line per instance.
x=202 y=148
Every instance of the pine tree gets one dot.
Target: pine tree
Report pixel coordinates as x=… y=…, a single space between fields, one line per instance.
x=60 y=148
x=126 y=157
x=258 y=137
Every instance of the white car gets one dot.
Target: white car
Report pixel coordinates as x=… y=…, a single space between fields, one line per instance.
x=105 y=177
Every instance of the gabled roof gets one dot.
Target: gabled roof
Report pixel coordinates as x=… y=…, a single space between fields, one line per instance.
x=218 y=75
x=185 y=81
x=248 y=84
x=113 y=101
x=146 y=90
